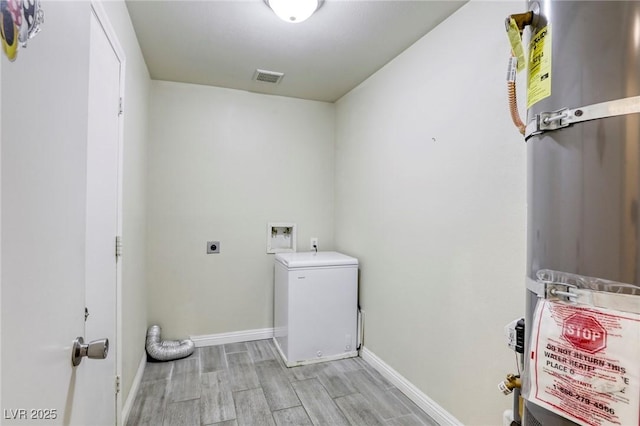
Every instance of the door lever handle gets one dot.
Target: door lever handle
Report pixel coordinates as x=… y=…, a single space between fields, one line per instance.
x=96 y=349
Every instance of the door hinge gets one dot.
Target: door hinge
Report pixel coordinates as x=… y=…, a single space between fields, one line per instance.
x=120 y=107
x=118 y=246
x=117 y=384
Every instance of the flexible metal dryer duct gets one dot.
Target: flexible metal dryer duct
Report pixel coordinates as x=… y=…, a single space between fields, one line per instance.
x=169 y=349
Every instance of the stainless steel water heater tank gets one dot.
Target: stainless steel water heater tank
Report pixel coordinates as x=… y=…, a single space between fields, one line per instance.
x=583 y=176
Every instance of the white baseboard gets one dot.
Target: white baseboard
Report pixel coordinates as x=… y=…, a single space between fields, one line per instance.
x=233 y=337
x=131 y=396
x=429 y=406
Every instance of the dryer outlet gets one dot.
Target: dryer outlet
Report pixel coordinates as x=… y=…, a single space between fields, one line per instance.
x=213 y=247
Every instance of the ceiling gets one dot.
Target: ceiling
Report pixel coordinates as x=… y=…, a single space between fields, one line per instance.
x=222 y=42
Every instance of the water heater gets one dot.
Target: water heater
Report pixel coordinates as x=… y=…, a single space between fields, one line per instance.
x=582 y=131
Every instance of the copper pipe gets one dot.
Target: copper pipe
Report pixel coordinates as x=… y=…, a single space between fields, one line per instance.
x=513 y=381
x=522 y=20
x=513 y=107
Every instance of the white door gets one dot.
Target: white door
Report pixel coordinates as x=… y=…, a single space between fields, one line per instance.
x=99 y=385
x=59 y=203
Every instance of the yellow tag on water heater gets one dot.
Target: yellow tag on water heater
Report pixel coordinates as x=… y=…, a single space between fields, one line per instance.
x=513 y=33
x=539 y=83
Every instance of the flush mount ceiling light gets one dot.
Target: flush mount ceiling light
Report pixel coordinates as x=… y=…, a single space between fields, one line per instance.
x=294 y=11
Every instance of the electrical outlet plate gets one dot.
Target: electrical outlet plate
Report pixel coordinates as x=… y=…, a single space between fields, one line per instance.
x=213 y=247
x=313 y=243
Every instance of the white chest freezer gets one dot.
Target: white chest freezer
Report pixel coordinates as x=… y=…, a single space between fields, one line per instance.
x=315 y=306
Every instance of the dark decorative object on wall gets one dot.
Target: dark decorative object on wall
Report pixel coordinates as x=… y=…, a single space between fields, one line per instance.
x=20 y=20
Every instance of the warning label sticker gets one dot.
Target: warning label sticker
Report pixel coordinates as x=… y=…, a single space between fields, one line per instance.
x=584 y=364
x=513 y=33
x=539 y=83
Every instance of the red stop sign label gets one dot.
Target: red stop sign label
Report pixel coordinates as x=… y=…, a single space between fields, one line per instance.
x=585 y=332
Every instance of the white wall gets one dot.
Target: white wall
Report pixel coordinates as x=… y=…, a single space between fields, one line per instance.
x=223 y=163
x=430 y=196
x=134 y=302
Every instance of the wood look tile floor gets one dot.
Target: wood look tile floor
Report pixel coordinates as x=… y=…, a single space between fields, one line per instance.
x=247 y=384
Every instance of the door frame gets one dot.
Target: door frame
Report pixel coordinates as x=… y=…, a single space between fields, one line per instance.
x=102 y=17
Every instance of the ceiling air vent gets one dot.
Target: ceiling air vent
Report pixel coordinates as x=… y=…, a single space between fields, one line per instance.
x=268 y=76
